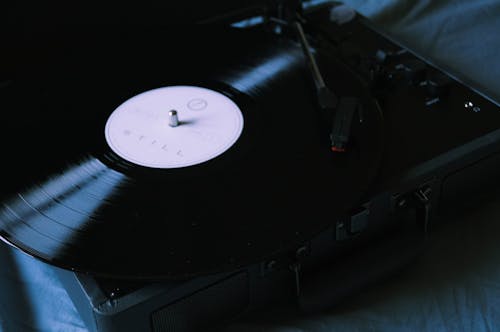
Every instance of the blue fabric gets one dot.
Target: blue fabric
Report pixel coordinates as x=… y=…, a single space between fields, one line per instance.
x=31 y=296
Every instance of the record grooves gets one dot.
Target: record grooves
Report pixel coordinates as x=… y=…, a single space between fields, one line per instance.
x=93 y=211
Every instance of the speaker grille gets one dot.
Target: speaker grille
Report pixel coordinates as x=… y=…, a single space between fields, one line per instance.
x=206 y=308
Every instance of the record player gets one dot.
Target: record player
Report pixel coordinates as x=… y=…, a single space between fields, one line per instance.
x=291 y=152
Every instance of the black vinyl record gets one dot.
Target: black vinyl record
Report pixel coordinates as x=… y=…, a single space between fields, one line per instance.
x=71 y=201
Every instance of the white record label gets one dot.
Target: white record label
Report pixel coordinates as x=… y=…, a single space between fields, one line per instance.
x=140 y=130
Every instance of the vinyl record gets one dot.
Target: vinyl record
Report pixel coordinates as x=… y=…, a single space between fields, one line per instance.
x=85 y=192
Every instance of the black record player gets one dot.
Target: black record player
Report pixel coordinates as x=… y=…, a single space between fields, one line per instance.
x=292 y=152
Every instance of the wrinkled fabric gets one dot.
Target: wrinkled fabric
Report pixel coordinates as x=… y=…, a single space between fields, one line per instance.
x=454 y=286
x=32 y=297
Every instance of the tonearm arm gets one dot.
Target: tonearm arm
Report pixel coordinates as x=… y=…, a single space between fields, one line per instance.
x=341 y=110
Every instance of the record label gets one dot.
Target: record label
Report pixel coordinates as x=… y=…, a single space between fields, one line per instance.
x=173 y=127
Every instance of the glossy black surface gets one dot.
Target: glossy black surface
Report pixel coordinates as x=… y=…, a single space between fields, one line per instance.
x=68 y=200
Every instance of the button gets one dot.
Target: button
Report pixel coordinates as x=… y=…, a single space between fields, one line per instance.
x=413 y=70
x=346 y=229
x=342 y=14
x=438 y=85
x=359 y=221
